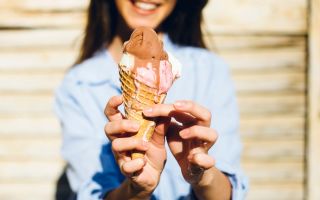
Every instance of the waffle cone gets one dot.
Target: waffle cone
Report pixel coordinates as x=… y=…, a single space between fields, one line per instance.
x=135 y=100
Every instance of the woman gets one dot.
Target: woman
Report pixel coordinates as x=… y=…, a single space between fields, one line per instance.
x=201 y=102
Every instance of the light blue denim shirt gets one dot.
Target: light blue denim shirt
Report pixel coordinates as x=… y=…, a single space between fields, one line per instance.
x=80 y=102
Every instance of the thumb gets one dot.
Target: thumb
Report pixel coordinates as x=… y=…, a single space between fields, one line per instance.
x=160 y=130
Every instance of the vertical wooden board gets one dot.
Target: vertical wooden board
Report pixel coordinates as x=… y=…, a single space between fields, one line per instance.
x=313 y=180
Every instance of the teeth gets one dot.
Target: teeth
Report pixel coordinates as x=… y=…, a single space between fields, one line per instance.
x=145 y=6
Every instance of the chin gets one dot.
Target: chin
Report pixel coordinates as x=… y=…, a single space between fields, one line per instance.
x=135 y=23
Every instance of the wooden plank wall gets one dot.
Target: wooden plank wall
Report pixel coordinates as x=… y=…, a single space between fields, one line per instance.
x=263 y=41
x=265 y=45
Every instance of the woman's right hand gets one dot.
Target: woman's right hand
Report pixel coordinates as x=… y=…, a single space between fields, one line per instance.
x=143 y=173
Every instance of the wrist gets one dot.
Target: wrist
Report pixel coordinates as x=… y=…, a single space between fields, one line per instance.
x=213 y=185
x=139 y=192
x=206 y=179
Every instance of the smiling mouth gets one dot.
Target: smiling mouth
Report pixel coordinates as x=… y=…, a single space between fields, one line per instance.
x=145 y=6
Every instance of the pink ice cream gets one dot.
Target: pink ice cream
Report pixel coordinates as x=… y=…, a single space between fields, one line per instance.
x=144 y=56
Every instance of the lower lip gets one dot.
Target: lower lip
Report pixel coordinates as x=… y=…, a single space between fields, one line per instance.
x=142 y=11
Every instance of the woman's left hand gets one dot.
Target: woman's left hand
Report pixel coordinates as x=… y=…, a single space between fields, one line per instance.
x=189 y=137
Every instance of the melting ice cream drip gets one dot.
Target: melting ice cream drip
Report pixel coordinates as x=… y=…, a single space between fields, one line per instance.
x=145 y=57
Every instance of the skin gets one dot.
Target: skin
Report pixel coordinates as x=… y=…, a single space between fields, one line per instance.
x=189 y=142
x=135 y=17
x=191 y=139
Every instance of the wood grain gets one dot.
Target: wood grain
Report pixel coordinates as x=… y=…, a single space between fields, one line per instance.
x=313 y=180
x=10 y=19
x=282 y=59
x=44 y=5
x=8 y=191
x=276 y=172
x=256 y=17
x=37 y=60
x=47 y=171
x=28 y=126
x=273 y=128
x=271 y=105
x=276 y=192
x=30 y=149
x=26 y=106
x=273 y=150
x=270 y=83
x=235 y=43
x=31 y=39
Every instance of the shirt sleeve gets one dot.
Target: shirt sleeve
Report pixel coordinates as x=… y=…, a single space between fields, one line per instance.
x=225 y=120
x=92 y=170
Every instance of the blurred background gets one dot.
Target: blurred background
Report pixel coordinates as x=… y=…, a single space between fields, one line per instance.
x=272 y=46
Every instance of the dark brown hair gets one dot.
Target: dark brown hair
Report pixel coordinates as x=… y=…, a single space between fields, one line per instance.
x=183 y=25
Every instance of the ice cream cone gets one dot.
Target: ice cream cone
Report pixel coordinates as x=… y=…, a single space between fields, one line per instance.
x=135 y=100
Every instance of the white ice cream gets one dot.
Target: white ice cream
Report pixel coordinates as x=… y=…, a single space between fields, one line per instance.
x=127 y=60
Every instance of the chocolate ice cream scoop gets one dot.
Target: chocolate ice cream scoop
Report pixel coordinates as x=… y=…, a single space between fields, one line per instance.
x=145 y=57
x=145 y=45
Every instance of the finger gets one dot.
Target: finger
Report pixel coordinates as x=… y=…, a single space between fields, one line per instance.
x=160 y=130
x=184 y=118
x=165 y=110
x=132 y=166
x=174 y=139
x=113 y=128
x=128 y=144
x=196 y=110
x=202 y=133
x=202 y=160
x=159 y=110
x=111 y=111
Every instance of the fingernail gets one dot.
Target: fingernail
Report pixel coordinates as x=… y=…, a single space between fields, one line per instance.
x=179 y=103
x=147 y=110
